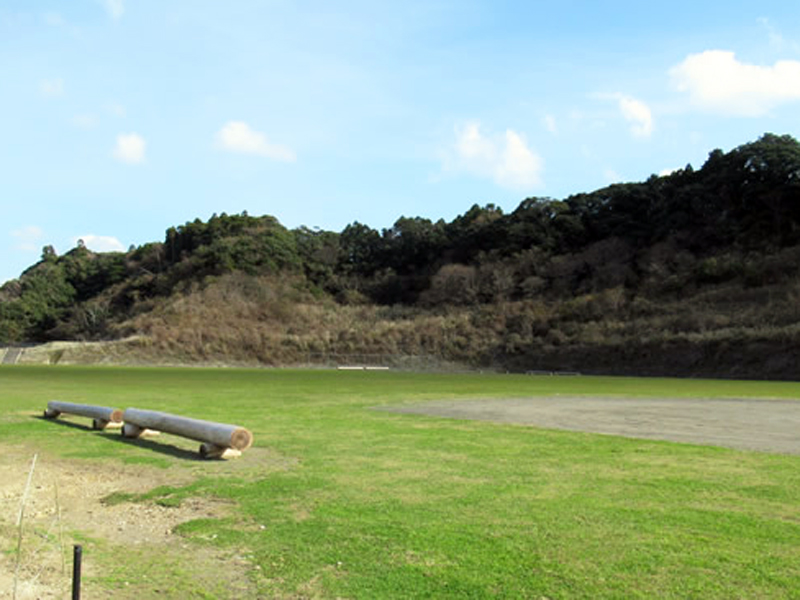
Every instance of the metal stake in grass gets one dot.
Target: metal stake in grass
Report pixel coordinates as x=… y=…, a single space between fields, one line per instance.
x=19 y=523
x=77 y=553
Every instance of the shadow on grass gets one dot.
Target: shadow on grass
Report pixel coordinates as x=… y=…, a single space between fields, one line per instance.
x=145 y=443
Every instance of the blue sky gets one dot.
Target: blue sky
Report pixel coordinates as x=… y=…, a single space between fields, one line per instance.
x=121 y=118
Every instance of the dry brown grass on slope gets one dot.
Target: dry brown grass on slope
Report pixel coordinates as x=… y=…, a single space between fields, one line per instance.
x=269 y=322
x=264 y=321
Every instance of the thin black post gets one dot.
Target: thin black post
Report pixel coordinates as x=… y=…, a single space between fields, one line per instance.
x=77 y=552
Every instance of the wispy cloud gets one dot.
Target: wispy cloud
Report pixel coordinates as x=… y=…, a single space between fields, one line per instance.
x=776 y=39
x=237 y=136
x=28 y=238
x=130 y=148
x=53 y=19
x=114 y=8
x=52 y=87
x=549 y=122
x=57 y=21
x=715 y=80
x=100 y=243
x=116 y=110
x=84 y=121
x=611 y=176
x=636 y=112
x=504 y=158
x=638 y=115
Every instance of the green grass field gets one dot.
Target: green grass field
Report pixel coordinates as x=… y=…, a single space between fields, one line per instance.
x=337 y=500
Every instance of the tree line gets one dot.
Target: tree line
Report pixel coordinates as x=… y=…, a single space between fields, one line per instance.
x=728 y=220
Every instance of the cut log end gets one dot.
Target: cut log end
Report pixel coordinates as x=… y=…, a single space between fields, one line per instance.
x=49 y=413
x=241 y=439
x=115 y=416
x=131 y=431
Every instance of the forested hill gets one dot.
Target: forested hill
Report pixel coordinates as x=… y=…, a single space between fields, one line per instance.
x=670 y=262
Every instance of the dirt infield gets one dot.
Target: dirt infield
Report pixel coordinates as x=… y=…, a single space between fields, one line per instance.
x=745 y=424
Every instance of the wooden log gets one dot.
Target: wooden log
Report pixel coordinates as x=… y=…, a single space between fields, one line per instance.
x=218 y=434
x=99 y=413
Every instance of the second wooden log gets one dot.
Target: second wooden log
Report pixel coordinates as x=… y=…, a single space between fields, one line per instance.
x=218 y=434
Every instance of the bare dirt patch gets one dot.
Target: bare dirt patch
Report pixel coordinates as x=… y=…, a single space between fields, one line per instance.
x=747 y=424
x=67 y=504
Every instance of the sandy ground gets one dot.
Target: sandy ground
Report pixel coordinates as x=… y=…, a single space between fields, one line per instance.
x=65 y=505
x=745 y=424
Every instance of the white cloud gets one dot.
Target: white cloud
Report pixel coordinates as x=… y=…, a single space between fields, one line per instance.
x=130 y=148
x=100 y=243
x=114 y=8
x=549 y=123
x=716 y=80
x=506 y=159
x=52 y=87
x=665 y=172
x=237 y=136
x=519 y=166
x=638 y=114
x=28 y=238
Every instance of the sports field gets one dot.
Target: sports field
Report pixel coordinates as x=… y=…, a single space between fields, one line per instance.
x=338 y=499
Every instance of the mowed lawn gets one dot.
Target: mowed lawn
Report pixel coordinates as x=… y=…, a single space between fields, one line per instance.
x=371 y=504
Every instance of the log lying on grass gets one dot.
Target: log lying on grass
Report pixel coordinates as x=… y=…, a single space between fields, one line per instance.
x=218 y=438
x=102 y=416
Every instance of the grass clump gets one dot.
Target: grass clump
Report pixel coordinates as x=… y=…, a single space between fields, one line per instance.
x=115 y=498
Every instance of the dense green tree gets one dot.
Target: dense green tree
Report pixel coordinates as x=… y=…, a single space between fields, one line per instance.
x=770 y=187
x=43 y=298
x=480 y=229
x=413 y=245
x=362 y=250
x=236 y=242
x=319 y=252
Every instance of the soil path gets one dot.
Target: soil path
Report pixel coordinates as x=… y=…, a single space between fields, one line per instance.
x=745 y=424
x=66 y=505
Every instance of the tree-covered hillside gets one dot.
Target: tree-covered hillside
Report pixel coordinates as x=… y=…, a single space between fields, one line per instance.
x=695 y=260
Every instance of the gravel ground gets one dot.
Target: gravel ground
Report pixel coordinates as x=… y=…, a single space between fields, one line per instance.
x=745 y=424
